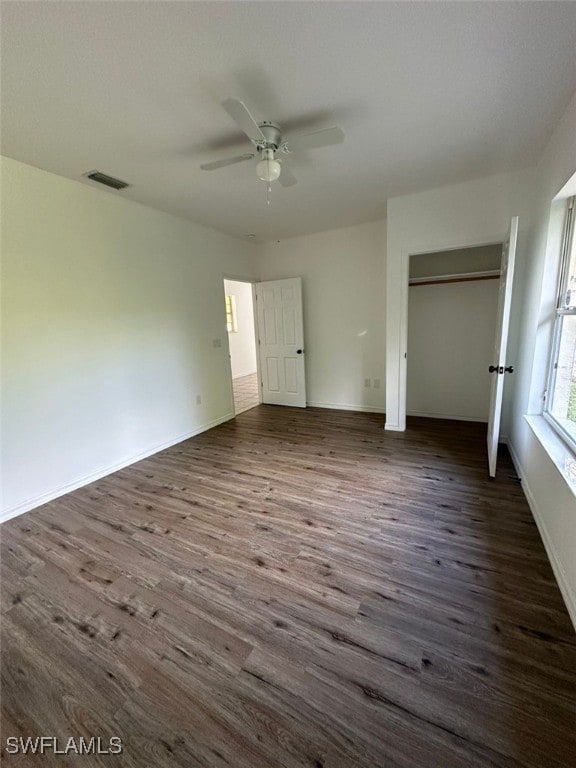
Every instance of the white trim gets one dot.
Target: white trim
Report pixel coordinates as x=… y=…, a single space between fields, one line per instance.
x=565 y=589
x=346 y=407
x=561 y=431
x=256 y=342
x=555 y=446
x=396 y=363
x=80 y=482
x=251 y=281
x=452 y=416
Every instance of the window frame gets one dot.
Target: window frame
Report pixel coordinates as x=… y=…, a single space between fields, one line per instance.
x=560 y=312
x=232 y=323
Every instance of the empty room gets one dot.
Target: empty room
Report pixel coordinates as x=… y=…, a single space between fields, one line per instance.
x=288 y=407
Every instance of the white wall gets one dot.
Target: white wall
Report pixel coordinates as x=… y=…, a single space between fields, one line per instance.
x=451 y=330
x=469 y=214
x=243 y=341
x=552 y=500
x=343 y=282
x=458 y=216
x=109 y=314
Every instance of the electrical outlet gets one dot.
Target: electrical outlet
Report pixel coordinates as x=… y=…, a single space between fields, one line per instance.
x=366 y=382
x=198 y=399
x=376 y=383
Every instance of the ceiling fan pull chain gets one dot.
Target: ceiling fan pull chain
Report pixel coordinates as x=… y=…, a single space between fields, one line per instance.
x=268 y=190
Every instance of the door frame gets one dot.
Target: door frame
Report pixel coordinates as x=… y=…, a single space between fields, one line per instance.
x=252 y=281
x=399 y=408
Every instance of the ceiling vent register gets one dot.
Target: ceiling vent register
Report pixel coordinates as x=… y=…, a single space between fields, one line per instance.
x=108 y=181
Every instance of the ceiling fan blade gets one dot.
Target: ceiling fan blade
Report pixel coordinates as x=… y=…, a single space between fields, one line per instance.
x=287 y=178
x=229 y=161
x=322 y=138
x=238 y=111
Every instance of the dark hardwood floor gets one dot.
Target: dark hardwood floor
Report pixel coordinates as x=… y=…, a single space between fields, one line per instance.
x=293 y=588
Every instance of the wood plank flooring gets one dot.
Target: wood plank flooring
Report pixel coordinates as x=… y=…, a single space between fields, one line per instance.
x=293 y=588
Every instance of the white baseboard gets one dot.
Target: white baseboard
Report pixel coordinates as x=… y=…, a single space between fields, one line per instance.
x=565 y=589
x=449 y=416
x=346 y=407
x=37 y=501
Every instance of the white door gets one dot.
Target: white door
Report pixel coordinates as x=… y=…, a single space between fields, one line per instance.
x=498 y=368
x=281 y=341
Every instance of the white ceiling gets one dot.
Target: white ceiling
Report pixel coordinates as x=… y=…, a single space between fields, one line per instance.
x=427 y=93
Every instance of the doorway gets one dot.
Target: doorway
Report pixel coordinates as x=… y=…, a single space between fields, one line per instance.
x=452 y=310
x=239 y=308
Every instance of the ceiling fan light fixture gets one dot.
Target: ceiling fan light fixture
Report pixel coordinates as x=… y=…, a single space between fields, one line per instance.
x=268 y=169
x=266 y=139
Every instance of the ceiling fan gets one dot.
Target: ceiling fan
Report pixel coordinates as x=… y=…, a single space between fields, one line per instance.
x=268 y=142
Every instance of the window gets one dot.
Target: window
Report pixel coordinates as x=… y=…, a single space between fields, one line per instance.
x=231 y=320
x=560 y=406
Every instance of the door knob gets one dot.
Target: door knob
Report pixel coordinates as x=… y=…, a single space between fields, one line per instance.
x=493 y=369
x=509 y=369
x=299 y=351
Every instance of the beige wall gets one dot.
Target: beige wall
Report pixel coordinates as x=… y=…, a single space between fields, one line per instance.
x=343 y=283
x=460 y=260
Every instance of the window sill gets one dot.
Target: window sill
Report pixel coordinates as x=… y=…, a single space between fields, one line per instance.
x=559 y=453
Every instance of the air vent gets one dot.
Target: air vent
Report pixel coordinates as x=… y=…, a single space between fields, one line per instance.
x=108 y=181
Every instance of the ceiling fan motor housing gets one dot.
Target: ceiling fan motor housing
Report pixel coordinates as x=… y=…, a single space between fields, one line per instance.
x=272 y=135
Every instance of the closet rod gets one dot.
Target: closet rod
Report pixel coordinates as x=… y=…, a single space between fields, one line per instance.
x=465 y=277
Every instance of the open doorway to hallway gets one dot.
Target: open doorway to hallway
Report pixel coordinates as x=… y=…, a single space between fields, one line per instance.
x=242 y=344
